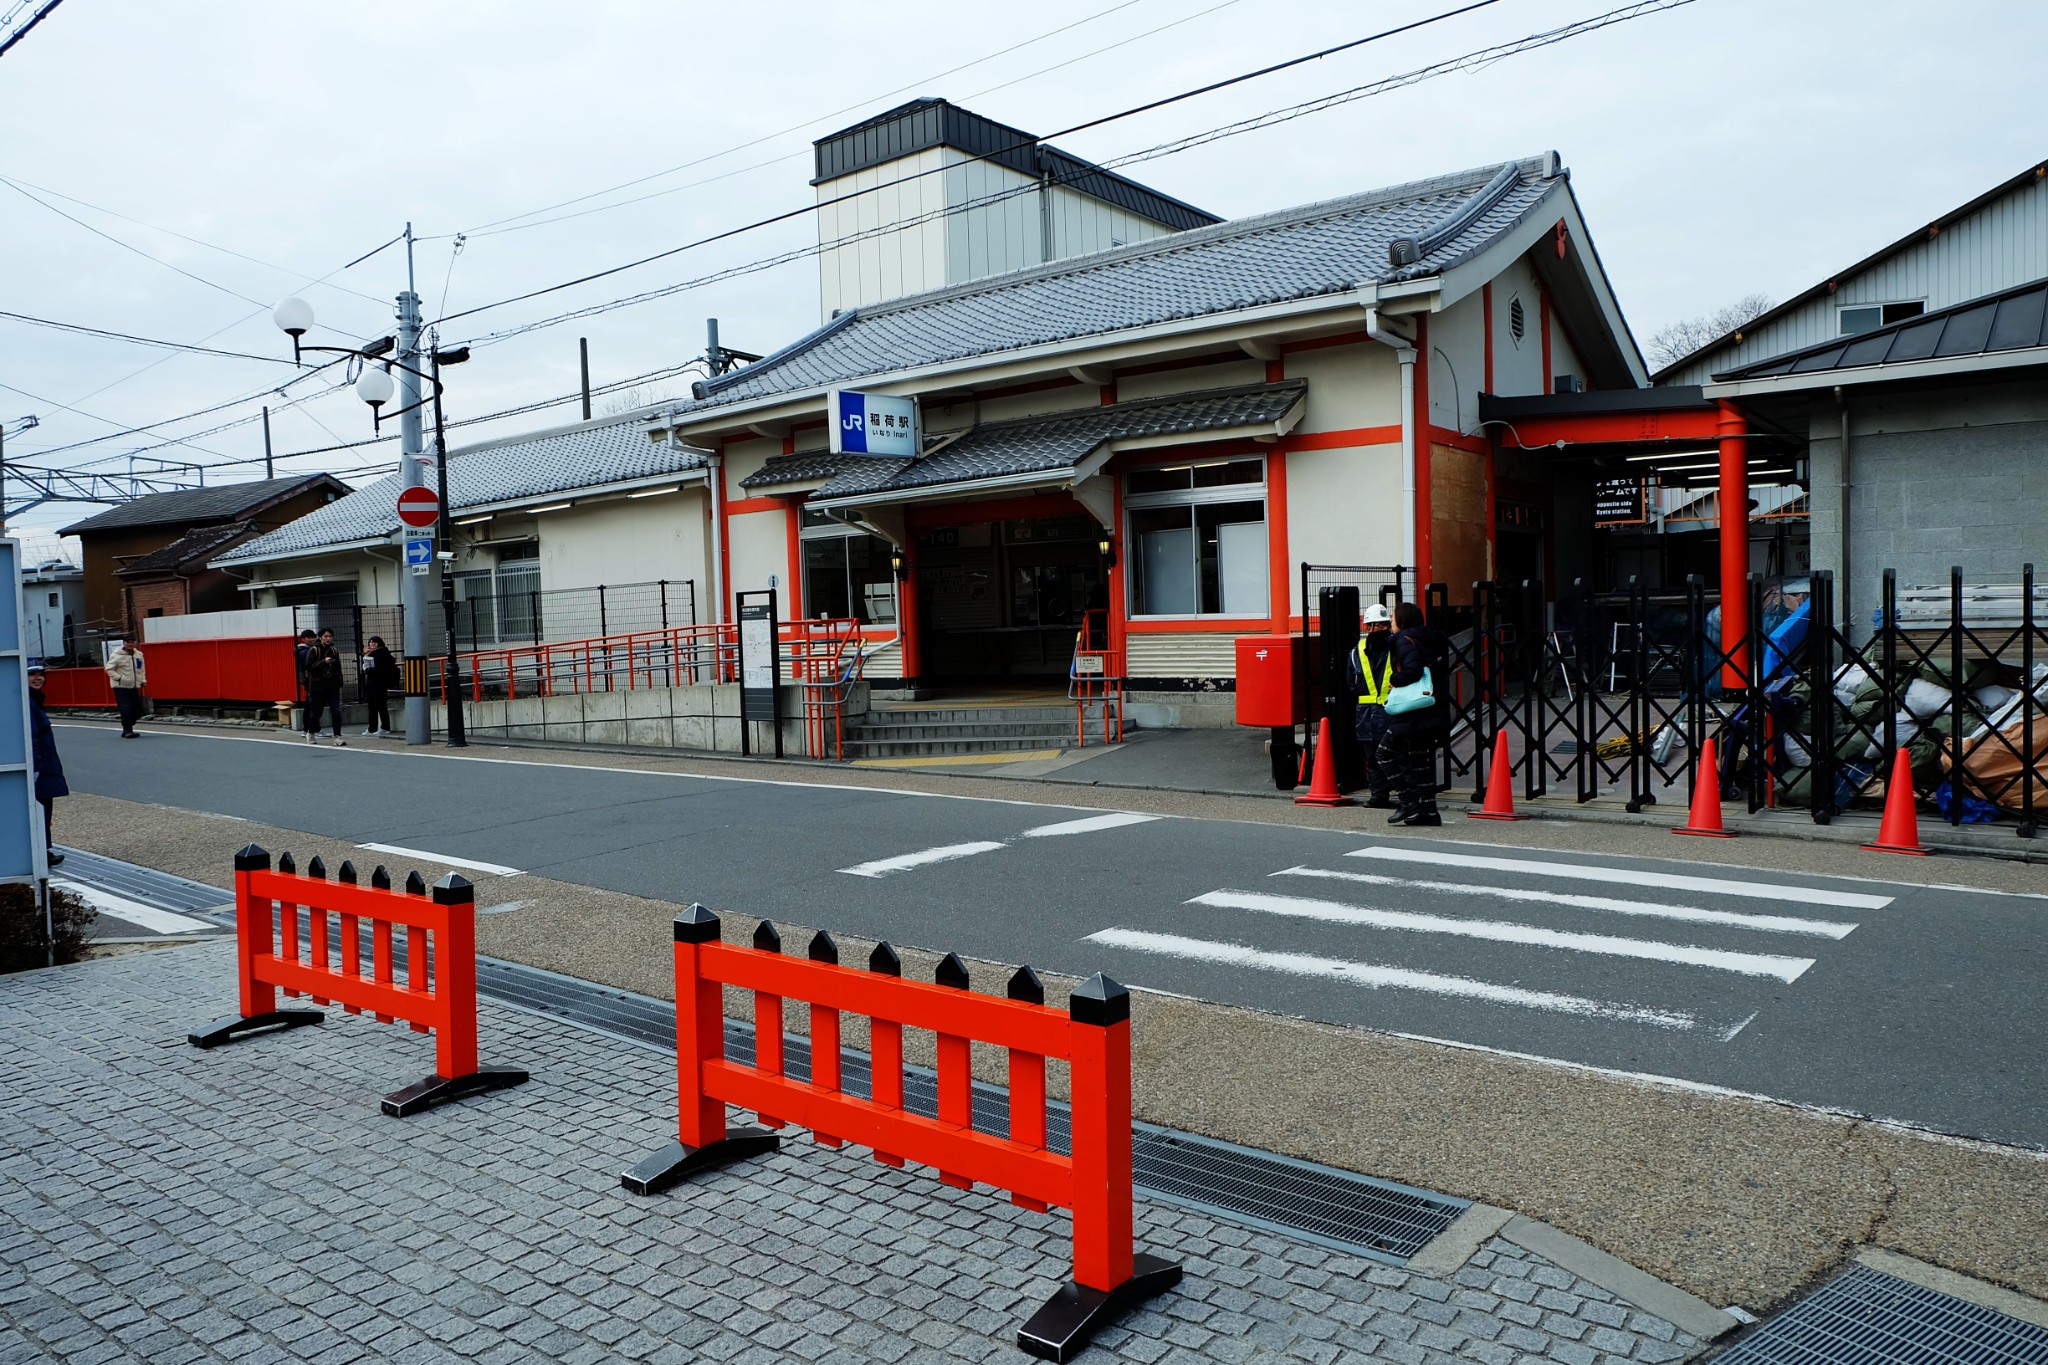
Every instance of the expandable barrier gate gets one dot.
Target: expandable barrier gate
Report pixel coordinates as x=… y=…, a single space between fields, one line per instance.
x=1093 y=1036
x=437 y=994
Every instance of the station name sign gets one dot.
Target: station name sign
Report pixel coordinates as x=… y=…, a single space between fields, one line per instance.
x=873 y=424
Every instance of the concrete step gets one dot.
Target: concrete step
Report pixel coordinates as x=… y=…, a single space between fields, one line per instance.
x=1048 y=714
x=857 y=747
x=966 y=730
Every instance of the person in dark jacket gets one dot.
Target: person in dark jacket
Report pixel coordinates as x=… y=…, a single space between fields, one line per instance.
x=380 y=676
x=49 y=768
x=323 y=686
x=1371 y=669
x=1408 y=748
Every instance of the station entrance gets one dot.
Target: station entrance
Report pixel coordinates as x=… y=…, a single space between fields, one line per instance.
x=1000 y=601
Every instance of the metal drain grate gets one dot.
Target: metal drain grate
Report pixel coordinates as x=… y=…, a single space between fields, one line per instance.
x=1867 y=1317
x=144 y=884
x=1352 y=1213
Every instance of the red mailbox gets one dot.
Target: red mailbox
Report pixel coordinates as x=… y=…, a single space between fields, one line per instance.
x=1271 y=673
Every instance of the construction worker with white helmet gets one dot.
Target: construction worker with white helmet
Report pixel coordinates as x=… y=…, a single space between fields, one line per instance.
x=1371 y=668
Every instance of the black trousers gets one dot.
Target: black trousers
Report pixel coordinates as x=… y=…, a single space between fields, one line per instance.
x=379 y=699
x=1373 y=724
x=1408 y=758
x=49 y=821
x=128 y=702
x=323 y=701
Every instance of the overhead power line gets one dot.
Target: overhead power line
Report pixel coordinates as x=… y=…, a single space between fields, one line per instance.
x=7 y=43
x=1147 y=107
x=1471 y=61
x=142 y=341
x=498 y=223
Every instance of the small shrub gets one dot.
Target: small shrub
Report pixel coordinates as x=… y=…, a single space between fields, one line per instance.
x=21 y=927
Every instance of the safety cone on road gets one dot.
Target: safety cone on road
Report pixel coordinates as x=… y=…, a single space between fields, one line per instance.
x=1706 y=797
x=1900 y=832
x=1322 y=789
x=1500 y=785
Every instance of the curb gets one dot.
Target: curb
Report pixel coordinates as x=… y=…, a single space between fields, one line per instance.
x=1682 y=1310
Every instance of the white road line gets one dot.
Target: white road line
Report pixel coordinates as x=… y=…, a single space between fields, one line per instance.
x=134 y=912
x=882 y=867
x=1786 y=969
x=1770 y=924
x=1113 y=820
x=1629 y=876
x=494 y=869
x=1376 y=977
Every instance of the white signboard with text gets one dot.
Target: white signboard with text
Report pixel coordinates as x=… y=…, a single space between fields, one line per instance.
x=873 y=424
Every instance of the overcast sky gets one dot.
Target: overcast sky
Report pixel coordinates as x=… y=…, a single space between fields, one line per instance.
x=1723 y=147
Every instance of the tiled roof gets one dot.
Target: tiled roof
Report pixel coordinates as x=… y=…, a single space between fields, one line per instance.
x=2014 y=320
x=197 y=544
x=507 y=471
x=1327 y=248
x=800 y=468
x=199 y=506
x=1062 y=440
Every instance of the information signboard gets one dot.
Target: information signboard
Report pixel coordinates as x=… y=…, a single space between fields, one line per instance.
x=1621 y=502
x=760 y=666
x=873 y=424
x=22 y=855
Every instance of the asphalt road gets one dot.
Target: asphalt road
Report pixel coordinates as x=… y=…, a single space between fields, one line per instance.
x=1921 y=1004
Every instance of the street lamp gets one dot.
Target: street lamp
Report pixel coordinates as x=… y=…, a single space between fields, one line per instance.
x=18 y=425
x=376 y=387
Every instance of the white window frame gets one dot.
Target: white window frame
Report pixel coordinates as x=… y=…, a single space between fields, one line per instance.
x=841 y=530
x=1259 y=492
x=1880 y=305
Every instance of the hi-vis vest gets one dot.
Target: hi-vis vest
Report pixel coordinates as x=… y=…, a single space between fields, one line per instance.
x=1375 y=694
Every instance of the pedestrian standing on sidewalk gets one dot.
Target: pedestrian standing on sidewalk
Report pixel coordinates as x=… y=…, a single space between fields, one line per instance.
x=1372 y=671
x=323 y=686
x=49 y=768
x=124 y=671
x=380 y=675
x=1408 y=749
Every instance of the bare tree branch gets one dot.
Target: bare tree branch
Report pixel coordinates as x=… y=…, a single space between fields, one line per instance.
x=1675 y=341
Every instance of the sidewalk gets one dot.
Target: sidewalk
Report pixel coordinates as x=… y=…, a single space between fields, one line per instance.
x=250 y=1204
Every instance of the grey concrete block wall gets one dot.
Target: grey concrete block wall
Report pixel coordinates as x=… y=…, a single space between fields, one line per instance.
x=1954 y=477
x=702 y=718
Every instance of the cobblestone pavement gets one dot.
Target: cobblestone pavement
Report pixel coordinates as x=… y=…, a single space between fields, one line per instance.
x=251 y=1204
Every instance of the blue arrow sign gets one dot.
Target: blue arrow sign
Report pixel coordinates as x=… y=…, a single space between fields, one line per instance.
x=420 y=551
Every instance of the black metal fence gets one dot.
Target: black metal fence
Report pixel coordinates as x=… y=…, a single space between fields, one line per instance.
x=503 y=620
x=1617 y=694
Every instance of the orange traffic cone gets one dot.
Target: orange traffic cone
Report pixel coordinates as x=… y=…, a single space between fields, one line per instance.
x=1500 y=785
x=1706 y=797
x=1322 y=789
x=1900 y=832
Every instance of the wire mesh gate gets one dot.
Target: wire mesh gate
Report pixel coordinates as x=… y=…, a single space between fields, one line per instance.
x=1805 y=714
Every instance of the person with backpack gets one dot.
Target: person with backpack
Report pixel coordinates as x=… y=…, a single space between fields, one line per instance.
x=323 y=686
x=380 y=676
x=1418 y=716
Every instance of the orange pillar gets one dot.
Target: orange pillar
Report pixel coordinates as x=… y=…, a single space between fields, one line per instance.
x=1734 y=498
x=906 y=612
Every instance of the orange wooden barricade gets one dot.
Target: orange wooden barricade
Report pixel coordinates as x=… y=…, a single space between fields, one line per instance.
x=437 y=993
x=1093 y=1036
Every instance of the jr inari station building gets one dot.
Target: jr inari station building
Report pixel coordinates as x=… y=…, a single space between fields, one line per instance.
x=1159 y=422
x=1084 y=406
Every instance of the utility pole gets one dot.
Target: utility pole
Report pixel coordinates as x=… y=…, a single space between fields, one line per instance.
x=412 y=587
x=444 y=545
x=269 y=471
x=583 y=347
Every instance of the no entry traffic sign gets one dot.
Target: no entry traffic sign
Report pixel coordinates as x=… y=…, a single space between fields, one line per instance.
x=418 y=507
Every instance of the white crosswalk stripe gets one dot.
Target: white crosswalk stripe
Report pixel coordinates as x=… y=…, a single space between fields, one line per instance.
x=1787 y=969
x=946 y=853
x=1421 y=921
x=1377 y=977
x=1630 y=876
x=1770 y=924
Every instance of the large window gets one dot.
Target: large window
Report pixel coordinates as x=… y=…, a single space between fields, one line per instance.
x=846 y=573
x=1196 y=539
x=496 y=606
